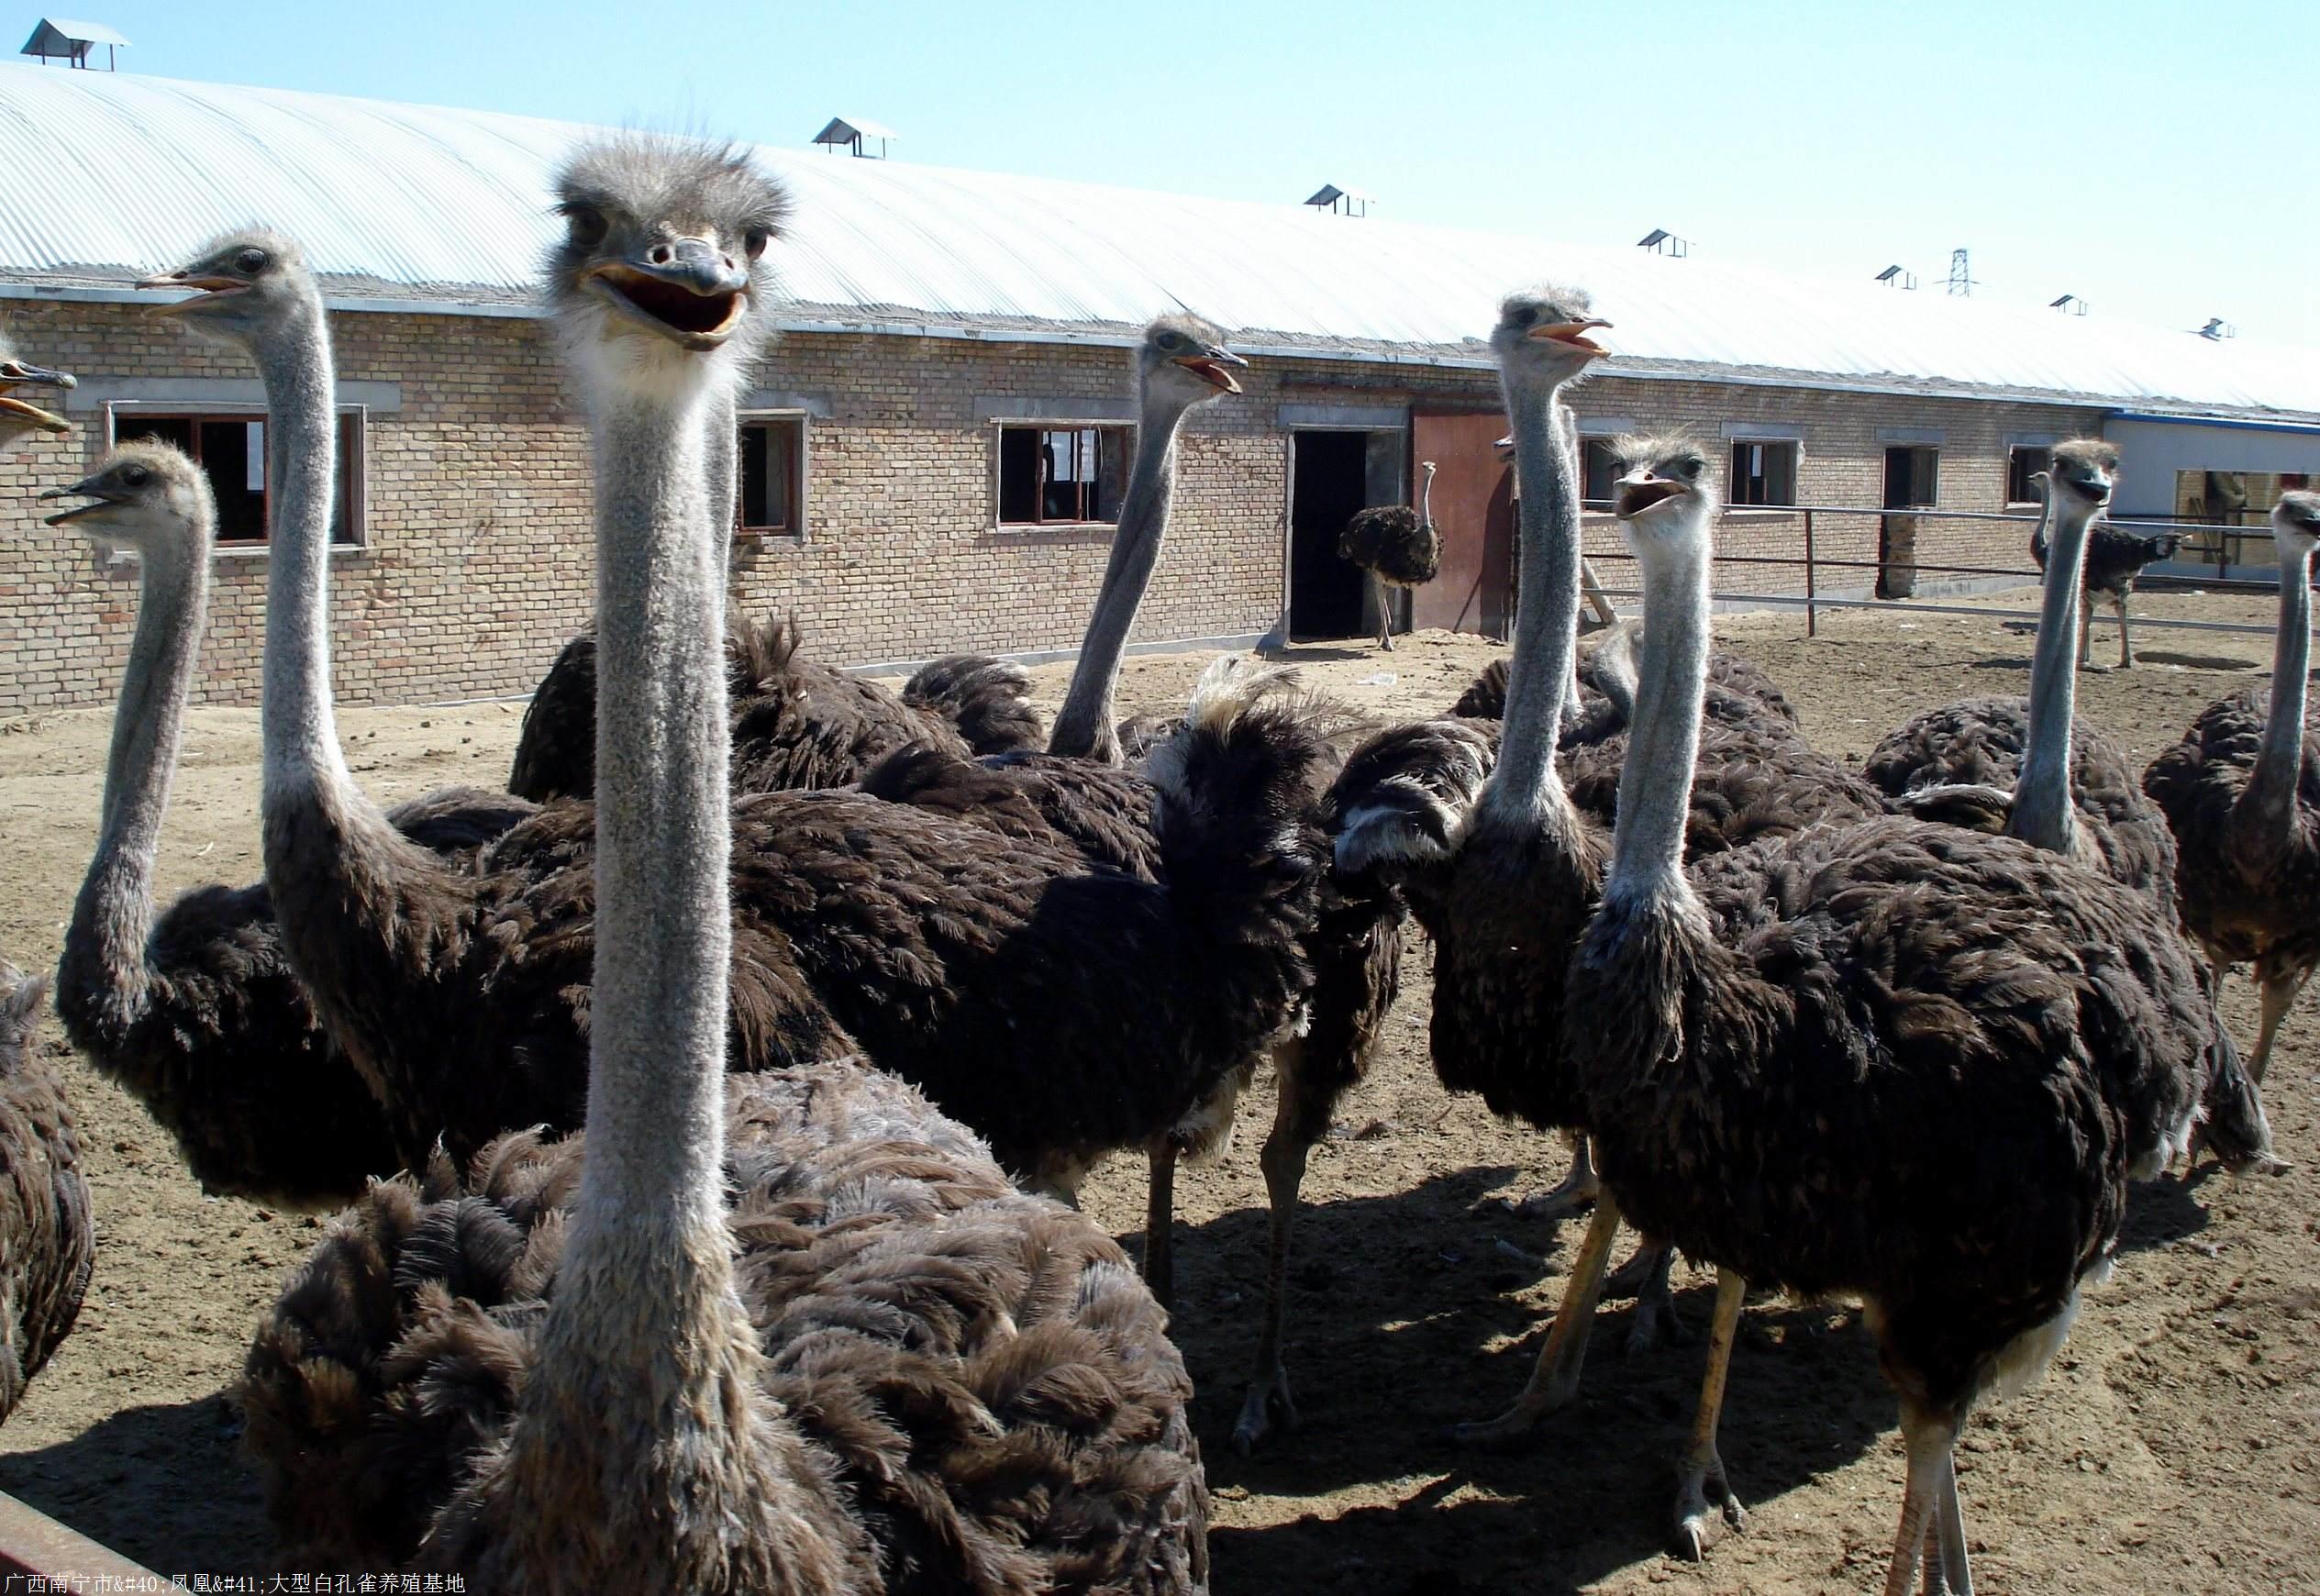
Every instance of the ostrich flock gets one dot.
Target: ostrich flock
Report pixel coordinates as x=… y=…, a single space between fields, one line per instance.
x=703 y=1112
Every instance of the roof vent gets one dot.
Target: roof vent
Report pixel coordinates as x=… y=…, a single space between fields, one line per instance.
x=2068 y=301
x=855 y=136
x=1345 y=201
x=2218 y=329
x=60 y=38
x=1897 y=276
x=1661 y=241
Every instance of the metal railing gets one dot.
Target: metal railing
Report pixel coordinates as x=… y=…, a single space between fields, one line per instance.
x=1736 y=520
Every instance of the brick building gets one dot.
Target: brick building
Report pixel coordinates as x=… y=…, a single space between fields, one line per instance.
x=931 y=450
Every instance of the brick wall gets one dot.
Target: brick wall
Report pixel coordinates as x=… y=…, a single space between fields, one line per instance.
x=477 y=560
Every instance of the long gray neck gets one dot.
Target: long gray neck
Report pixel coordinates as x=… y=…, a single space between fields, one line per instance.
x=104 y=947
x=2043 y=815
x=1523 y=786
x=646 y=1335
x=1083 y=727
x=1655 y=781
x=2263 y=820
x=300 y=738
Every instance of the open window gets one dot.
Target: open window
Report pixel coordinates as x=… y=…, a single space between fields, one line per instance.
x=231 y=450
x=1763 y=472
x=1598 y=471
x=2023 y=463
x=770 y=500
x=1051 y=475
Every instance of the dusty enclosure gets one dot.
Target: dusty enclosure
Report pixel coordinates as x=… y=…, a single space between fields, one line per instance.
x=2172 y=1448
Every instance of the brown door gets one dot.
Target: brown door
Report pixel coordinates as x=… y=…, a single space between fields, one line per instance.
x=1473 y=511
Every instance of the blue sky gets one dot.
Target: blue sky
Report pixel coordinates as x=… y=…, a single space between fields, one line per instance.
x=2144 y=157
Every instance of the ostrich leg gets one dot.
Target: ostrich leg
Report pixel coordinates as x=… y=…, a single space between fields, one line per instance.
x=1644 y=1277
x=1929 y=1496
x=1284 y=1162
x=1385 y=611
x=2126 y=642
x=1703 y=1467
x=2276 y=985
x=1159 y=1224
x=1554 y=1379
x=1577 y=1189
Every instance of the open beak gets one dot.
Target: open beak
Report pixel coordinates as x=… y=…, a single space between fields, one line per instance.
x=86 y=488
x=208 y=288
x=1209 y=366
x=1639 y=490
x=1573 y=333
x=13 y=372
x=694 y=297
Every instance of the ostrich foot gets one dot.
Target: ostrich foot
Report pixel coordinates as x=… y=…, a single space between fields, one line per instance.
x=1578 y=1190
x=1267 y=1404
x=2091 y=669
x=1703 y=1497
x=1554 y=1380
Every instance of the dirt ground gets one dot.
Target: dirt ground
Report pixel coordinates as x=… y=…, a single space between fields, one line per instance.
x=2172 y=1448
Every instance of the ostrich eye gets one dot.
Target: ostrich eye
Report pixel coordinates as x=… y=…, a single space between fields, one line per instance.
x=588 y=226
x=753 y=242
x=134 y=476
x=1169 y=341
x=1527 y=315
x=252 y=261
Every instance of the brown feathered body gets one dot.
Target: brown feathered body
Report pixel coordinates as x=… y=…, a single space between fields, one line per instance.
x=1395 y=543
x=1903 y=1061
x=47 y=1241
x=2245 y=905
x=206 y=1025
x=1738 y=692
x=1962 y=762
x=967 y=968
x=796 y=724
x=980 y=1394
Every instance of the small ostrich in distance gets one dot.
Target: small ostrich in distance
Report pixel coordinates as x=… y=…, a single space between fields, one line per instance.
x=1398 y=546
x=2242 y=791
x=1894 y=1060
x=47 y=1241
x=2113 y=558
x=797 y=1333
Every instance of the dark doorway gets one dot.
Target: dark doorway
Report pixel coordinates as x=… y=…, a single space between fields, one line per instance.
x=1330 y=483
x=1912 y=482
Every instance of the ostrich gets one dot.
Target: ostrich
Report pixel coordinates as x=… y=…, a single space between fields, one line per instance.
x=963 y=968
x=1895 y=1060
x=195 y=1013
x=2241 y=792
x=796 y=1336
x=2114 y=560
x=2019 y=765
x=46 y=1242
x=796 y=724
x=1398 y=546
x=20 y=417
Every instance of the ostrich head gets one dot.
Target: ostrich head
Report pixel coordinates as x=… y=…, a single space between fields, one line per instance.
x=1542 y=334
x=2295 y=523
x=246 y=283
x=1666 y=493
x=18 y=416
x=1183 y=363
x=144 y=495
x=2085 y=468
x=662 y=271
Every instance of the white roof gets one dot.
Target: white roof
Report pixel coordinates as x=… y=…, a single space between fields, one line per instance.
x=105 y=177
x=61 y=30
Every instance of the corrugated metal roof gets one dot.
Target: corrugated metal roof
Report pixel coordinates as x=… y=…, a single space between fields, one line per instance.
x=56 y=35
x=104 y=177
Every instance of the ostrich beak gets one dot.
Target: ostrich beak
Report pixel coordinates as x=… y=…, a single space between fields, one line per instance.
x=45 y=376
x=690 y=293
x=1210 y=364
x=207 y=287
x=1642 y=488
x=13 y=372
x=86 y=488
x=46 y=421
x=1573 y=333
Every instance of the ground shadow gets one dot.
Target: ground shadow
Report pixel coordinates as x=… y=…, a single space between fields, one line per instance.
x=2220 y=663
x=1320 y=653
x=1408 y=1313
x=104 y=1482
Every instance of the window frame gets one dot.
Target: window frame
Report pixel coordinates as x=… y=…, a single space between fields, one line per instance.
x=353 y=463
x=1588 y=443
x=2046 y=463
x=802 y=454
x=1733 y=445
x=1001 y=425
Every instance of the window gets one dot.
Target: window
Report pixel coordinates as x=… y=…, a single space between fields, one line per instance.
x=1598 y=470
x=1066 y=474
x=1763 y=473
x=772 y=455
x=2023 y=463
x=231 y=451
x=1913 y=477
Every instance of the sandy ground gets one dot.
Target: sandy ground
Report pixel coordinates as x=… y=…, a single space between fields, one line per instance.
x=2172 y=1448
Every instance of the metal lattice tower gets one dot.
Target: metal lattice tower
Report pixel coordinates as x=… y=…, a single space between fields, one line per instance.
x=1960 y=284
